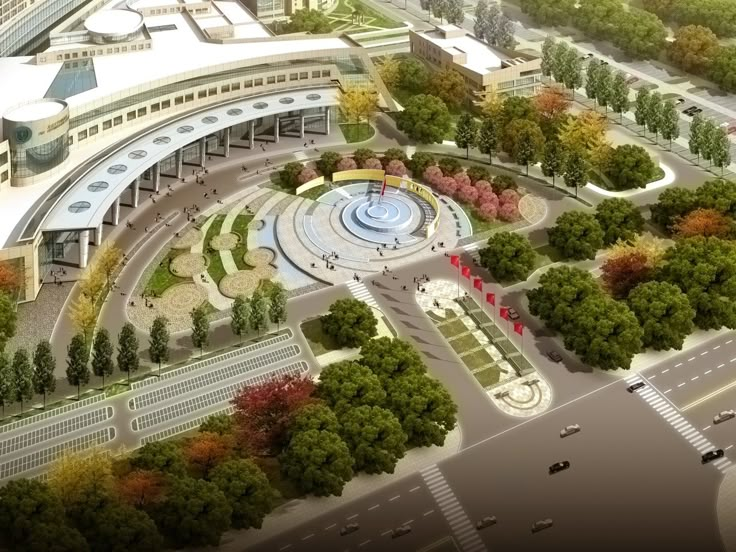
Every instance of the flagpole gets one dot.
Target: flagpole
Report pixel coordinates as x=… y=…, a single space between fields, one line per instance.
x=458 y=280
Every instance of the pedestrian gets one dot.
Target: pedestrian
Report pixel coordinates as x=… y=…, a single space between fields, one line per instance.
x=206 y=195
x=146 y=230
x=214 y=191
x=433 y=248
x=153 y=199
x=209 y=158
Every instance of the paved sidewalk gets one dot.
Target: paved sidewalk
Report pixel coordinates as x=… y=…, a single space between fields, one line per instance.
x=726 y=510
x=301 y=511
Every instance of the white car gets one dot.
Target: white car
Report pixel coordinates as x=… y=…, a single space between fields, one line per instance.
x=724 y=416
x=569 y=430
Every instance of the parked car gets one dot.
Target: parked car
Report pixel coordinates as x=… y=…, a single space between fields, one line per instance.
x=554 y=356
x=634 y=386
x=513 y=315
x=558 y=467
x=589 y=55
x=485 y=522
x=697 y=110
x=400 y=531
x=541 y=525
x=632 y=80
x=679 y=101
x=569 y=430
x=349 y=528
x=711 y=455
x=724 y=416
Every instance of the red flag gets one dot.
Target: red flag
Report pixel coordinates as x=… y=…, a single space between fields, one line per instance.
x=491 y=298
x=478 y=283
x=519 y=328
x=455 y=260
x=466 y=272
x=504 y=313
x=383 y=188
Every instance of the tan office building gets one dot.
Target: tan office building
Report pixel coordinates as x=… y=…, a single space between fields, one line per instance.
x=484 y=68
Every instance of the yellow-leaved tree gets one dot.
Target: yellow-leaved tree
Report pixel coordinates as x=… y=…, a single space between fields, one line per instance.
x=74 y=477
x=83 y=315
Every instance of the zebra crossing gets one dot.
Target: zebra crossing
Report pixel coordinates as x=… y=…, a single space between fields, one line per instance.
x=300 y=155
x=362 y=293
x=463 y=531
x=665 y=409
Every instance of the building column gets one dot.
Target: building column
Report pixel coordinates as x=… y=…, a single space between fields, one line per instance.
x=156 y=176
x=226 y=142
x=83 y=248
x=179 y=162
x=98 y=235
x=276 y=125
x=301 y=124
x=252 y=135
x=134 y=191
x=202 y=151
x=116 y=211
x=327 y=119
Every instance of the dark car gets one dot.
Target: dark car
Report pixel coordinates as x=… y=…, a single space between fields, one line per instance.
x=679 y=101
x=400 y=531
x=558 y=467
x=541 y=525
x=485 y=522
x=712 y=455
x=689 y=110
x=513 y=315
x=554 y=356
x=349 y=528
x=634 y=386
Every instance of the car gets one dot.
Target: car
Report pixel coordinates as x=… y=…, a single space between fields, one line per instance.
x=349 y=528
x=513 y=315
x=698 y=110
x=558 y=467
x=570 y=430
x=679 y=101
x=554 y=356
x=400 y=531
x=485 y=522
x=632 y=80
x=634 y=386
x=711 y=455
x=687 y=110
x=541 y=525
x=589 y=55
x=724 y=416
x=604 y=63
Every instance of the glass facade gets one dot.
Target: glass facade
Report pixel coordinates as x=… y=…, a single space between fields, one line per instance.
x=73 y=78
x=39 y=159
x=30 y=28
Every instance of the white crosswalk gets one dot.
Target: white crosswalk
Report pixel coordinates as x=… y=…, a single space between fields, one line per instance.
x=665 y=409
x=463 y=531
x=472 y=246
x=300 y=155
x=360 y=291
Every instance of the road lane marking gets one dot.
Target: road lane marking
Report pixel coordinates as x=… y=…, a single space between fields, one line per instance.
x=385 y=533
x=364 y=542
x=330 y=526
x=309 y=536
x=693 y=379
x=285 y=547
x=408 y=522
x=393 y=498
x=373 y=507
x=728 y=447
x=678 y=365
x=691 y=359
x=665 y=371
x=425 y=514
x=709 y=396
x=706 y=427
x=729 y=341
x=415 y=488
x=670 y=389
x=720 y=366
x=652 y=377
x=716 y=347
x=352 y=517
x=680 y=385
x=733 y=359
x=704 y=353
x=708 y=372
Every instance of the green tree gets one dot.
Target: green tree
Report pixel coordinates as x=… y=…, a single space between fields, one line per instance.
x=488 y=136
x=414 y=74
x=258 y=311
x=288 y=176
x=524 y=142
x=221 y=424
x=44 y=366
x=591 y=79
x=705 y=270
x=553 y=160
x=619 y=219
x=708 y=131
x=723 y=68
x=195 y=513
x=350 y=322
x=455 y=12
x=277 y=305
x=466 y=133
x=420 y=161
x=22 y=378
x=390 y=358
x=160 y=456
x=102 y=350
x=200 y=329
x=718 y=194
x=349 y=384
x=694 y=49
x=576 y=169
x=158 y=345
x=695 y=142
x=641 y=109
x=548 y=47
x=669 y=122
x=672 y=204
x=449 y=86
x=8 y=318
x=374 y=437
x=619 y=97
x=509 y=257
x=313 y=416
x=654 y=113
x=127 y=358
x=629 y=166
x=423 y=406
x=317 y=462
x=327 y=163
x=247 y=490
x=721 y=146
x=309 y=21
x=553 y=13
x=572 y=70
x=518 y=107
x=576 y=235
x=604 y=333
x=6 y=381
x=664 y=313
x=240 y=318
x=77 y=363
x=604 y=86
x=361 y=155
x=559 y=60
x=424 y=119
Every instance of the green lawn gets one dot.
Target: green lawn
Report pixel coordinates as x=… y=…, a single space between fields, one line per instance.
x=315 y=193
x=479 y=225
x=377 y=38
x=546 y=254
x=317 y=340
x=464 y=343
x=372 y=18
x=162 y=278
x=478 y=359
x=488 y=377
x=214 y=268
x=454 y=327
x=240 y=227
x=595 y=178
x=439 y=318
x=356 y=132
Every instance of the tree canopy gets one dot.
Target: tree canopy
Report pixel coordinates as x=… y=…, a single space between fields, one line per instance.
x=425 y=118
x=508 y=256
x=374 y=437
x=349 y=384
x=576 y=235
x=619 y=219
x=247 y=490
x=350 y=322
x=664 y=313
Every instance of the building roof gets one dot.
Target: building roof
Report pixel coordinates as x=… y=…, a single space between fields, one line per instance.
x=481 y=58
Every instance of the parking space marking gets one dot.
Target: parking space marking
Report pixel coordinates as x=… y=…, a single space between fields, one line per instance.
x=373 y=507
x=665 y=371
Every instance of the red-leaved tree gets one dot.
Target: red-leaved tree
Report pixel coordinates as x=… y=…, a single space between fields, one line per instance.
x=487 y=196
x=700 y=222
x=467 y=194
x=306 y=175
x=488 y=211
x=447 y=186
x=433 y=175
x=207 y=450
x=372 y=163
x=9 y=278
x=509 y=212
x=483 y=186
x=509 y=196
x=623 y=272
x=346 y=164
x=462 y=179
x=141 y=488
x=396 y=168
x=263 y=412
